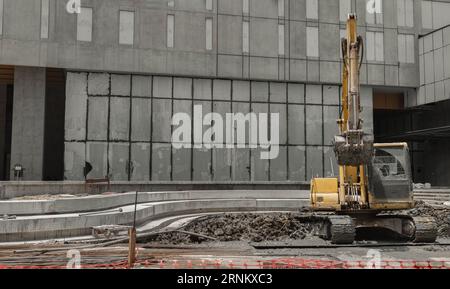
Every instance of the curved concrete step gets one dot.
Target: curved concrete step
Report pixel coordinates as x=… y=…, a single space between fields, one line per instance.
x=42 y=227
x=104 y=202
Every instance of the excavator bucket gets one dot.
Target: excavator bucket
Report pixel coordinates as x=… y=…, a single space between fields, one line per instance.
x=353 y=148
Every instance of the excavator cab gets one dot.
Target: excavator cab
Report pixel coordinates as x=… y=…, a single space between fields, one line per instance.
x=390 y=184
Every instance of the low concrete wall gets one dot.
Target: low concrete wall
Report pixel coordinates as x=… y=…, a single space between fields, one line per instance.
x=104 y=202
x=9 y=190
x=70 y=225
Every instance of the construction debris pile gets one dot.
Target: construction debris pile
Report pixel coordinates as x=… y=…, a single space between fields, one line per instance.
x=273 y=226
x=242 y=227
x=441 y=214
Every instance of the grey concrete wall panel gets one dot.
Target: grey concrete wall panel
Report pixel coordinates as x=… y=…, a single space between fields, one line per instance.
x=162 y=87
x=314 y=161
x=141 y=118
x=375 y=74
x=206 y=108
x=181 y=170
x=331 y=95
x=297 y=39
x=230 y=6
x=260 y=91
x=119 y=123
x=296 y=93
x=329 y=37
x=278 y=166
x=391 y=46
x=265 y=8
x=278 y=92
x=119 y=158
x=229 y=66
x=98 y=83
x=263 y=31
x=76 y=105
x=313 y=71
x=297 y=9
x=330 y=126
x=221 y=164
x=97 y=118
x=182 y=88
x=222 y=89
x=281 y=110
x=230 y=29
x=161 y=162
x=259 y=168
x=330 y=72
x=27 y=136
x=140 y=162
x=314 y=129
x=183 y=106
x=313 y=94
x=297 y=163
x=447 y=61
x=74 y=160
x=240 y=170
x=142 y=86
x=264 y=68
x=97 y=156
x=162 y=120
x=367 y=108
x=201 y=165
x=244 y=108
x=392 y=75
x=241 y=90
x=222 y=108
x=390 y=14
x=329 y=11
x=297 y=70
x=202 y=89
x=120 y=85
x=296 y=124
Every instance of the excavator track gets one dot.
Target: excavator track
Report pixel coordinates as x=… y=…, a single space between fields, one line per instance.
x=342 y=230
x=426 y=229
x=339 y=229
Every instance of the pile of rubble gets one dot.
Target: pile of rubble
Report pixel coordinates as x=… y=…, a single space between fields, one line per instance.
x=242 y=227
x=274 y=226
x=441 y=214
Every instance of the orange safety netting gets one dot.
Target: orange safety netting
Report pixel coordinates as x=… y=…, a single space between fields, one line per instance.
x=289 y=263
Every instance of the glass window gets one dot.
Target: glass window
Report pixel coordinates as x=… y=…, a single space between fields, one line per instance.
x=312 y=41
x=245 y=37
x=280 y=8
x=405 y=13
x=170 y=30
x=375 y=46
x=245 y=6
x=209 y=5
x=345 y=8
x=405 y=48
x=84 y=24
x=312 y=9
x=280 y=39
x=44 y=18
x=374 y=11
x=209 y=34
x=126 y=29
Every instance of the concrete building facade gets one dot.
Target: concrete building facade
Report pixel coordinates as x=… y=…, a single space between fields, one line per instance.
x=99 y=88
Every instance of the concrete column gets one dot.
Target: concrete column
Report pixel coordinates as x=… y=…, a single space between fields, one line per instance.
x=27 y=144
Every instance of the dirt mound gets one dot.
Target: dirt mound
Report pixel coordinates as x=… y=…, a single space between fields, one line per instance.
x=242 y=227
x=275 y=226
x=441 y=214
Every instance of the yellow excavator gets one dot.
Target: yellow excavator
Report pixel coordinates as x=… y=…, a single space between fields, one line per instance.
x=374 y=183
